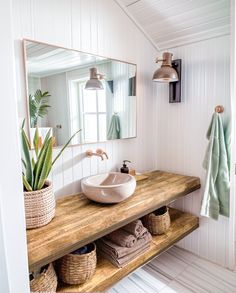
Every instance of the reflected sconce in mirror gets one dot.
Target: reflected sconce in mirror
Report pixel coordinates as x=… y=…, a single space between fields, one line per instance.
x=170 y=72
x=94 y=83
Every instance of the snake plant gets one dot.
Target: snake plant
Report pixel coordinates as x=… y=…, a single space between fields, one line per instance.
x=37 y=163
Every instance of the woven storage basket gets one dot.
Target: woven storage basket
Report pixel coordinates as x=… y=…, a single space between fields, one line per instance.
x=46 y=282
x=77 y=269
x=39 y=206
x=157 y=224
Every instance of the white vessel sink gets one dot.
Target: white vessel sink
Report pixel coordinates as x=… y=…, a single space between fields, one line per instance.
x=109 y=187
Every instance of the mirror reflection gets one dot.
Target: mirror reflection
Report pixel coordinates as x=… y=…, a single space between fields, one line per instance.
x=70 y=90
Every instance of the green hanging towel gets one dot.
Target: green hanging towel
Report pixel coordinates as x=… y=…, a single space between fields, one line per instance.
x=217 y=189
x=114 y=128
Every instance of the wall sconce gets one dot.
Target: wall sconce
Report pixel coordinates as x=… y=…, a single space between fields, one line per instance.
x=94 y=82
x=170 y=72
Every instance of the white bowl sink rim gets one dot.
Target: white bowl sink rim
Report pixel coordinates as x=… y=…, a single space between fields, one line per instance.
x=99 y=180
x=112 y=187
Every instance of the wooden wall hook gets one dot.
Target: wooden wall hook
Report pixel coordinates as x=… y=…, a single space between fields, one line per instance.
x=219 y=109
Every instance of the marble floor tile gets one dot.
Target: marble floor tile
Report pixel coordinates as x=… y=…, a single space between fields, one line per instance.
x=168 y=265
x=140 y=281
x=128 y=285
x=204 y=281
x=182 y=254
x=220 y=273
x=150 y=269
x=176 y=287
x=148 y=282
x=178 y=271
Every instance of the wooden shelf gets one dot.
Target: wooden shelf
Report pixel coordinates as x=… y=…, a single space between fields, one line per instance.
x=79 y=221
x=107 y=275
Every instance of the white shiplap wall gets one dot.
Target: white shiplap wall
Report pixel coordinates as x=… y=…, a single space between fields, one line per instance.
x=170 y=137
x=14 y=274
x=181 y=133
x=100 y=27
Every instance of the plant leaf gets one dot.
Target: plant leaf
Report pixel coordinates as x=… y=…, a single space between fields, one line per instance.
x=39 y=165
x=26 y=152
x=23 y=124
x=46 y=165
x=33 y=162
x=24 y=163
x=26 y=183
x=65 y=146
x=26 y=138
x=36 y=141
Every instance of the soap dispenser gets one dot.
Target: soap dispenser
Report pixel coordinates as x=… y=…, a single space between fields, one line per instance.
x=125 y=169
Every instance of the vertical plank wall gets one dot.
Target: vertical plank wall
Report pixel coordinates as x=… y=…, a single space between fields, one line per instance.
x=13 y=265
x=181 y=132
x=170 y=137
x=100 y=27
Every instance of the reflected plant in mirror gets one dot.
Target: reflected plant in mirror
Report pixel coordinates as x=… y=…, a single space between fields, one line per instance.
x=70 y=90
x=38 y=106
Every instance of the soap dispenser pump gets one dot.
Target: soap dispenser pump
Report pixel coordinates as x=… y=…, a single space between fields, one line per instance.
x=125 y=169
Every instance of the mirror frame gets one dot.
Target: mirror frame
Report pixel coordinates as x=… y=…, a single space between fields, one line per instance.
x=24 y=41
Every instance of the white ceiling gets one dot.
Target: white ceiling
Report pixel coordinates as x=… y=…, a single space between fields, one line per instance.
x=44 y=60
x=172 y=23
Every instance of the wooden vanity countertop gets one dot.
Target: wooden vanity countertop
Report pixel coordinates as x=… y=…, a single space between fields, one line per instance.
x=79 y=221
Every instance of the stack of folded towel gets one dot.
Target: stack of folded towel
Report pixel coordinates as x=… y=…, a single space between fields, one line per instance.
x=125 y=244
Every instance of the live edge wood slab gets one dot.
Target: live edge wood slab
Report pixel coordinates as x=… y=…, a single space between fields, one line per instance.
x=79 y=221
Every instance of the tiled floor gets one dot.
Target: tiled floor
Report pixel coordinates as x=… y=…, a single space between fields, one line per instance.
x=178 y=271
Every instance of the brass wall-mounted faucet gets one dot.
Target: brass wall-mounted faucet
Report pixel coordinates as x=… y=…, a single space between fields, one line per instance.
x=99 y=153
x=102 y=152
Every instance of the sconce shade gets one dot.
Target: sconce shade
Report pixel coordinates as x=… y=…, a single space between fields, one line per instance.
x=94 y=83
x=166 y=73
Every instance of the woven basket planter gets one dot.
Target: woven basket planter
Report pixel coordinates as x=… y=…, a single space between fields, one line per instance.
x=157 y=222
x=45 y=282
x=78 y=268
x=39 y=206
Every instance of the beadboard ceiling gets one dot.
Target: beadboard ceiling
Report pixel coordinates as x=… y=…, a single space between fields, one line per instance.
x=172 y=23
x=44 y=60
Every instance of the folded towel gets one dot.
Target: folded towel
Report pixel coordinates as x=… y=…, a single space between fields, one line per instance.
x=143 y=233
x=122 y=238
x=136 y=228
x=121 y=262
x=117 y=251
x=216 y=162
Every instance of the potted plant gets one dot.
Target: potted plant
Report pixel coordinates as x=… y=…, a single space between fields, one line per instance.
x=38 y=191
